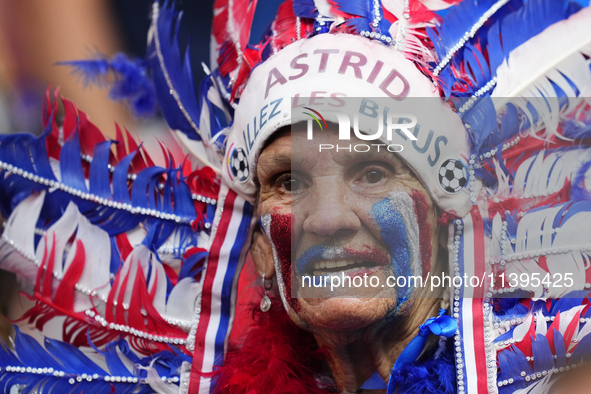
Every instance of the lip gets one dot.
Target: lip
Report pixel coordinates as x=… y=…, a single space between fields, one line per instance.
x=327 y=260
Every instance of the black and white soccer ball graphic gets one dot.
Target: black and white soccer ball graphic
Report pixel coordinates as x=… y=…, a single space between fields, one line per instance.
x=452 y=176
x=239 y=165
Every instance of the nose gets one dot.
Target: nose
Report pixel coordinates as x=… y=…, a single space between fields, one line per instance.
x=329 y=210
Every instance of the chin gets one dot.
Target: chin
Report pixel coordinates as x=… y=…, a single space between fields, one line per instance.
x=342 y=314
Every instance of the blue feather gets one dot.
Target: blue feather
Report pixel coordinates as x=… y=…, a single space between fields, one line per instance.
x=61 y=368
x=560 y=348
x=99 y=177
x=192 y=265
x=582 y=352
x=426 y=376
x=509 y=27
x=218 y=119
x=543 y=357
x=305 y=9
x=457 y=22
x=578 y=190
x=363 y=13
x=120 y=189
x=131 y=82
x=170 y=72
x=527 y=22
x=71 y=165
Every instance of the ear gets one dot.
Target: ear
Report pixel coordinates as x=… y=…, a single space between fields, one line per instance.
x=262 y=253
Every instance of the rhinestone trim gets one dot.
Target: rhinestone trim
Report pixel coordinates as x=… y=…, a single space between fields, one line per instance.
x=92 y=197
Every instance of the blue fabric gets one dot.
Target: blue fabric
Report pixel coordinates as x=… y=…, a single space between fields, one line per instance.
x=430 y=375
x=375 y=382
x=442 y=325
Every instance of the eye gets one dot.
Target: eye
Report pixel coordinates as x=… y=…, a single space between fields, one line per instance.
x=287 y=183
x=291 y=184
x=373 y=176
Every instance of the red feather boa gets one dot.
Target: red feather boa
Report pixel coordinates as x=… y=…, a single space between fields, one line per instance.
x=274 y=356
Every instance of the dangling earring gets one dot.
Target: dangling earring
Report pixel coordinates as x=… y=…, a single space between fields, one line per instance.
x=266 y=301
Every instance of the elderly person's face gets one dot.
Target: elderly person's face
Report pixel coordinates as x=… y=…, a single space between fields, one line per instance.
x=352 y=214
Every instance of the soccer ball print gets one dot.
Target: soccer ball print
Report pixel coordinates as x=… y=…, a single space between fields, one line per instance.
x=452 y=176
x=239 y=164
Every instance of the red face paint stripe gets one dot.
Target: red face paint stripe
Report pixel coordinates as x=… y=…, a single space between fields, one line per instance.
x=281 y=238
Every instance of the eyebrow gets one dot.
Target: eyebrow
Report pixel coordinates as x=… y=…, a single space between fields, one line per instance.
x=278 y=161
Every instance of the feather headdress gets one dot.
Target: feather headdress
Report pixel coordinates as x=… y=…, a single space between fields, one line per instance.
x=140 y=262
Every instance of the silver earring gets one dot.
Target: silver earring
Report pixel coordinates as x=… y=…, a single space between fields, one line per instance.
x=266 y=301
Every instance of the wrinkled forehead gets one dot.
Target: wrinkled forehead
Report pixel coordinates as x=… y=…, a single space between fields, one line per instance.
x=293 y=146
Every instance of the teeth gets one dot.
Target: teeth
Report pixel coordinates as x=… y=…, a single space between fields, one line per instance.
x=334 y=264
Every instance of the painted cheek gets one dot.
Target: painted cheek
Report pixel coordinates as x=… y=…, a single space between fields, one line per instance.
x=394 y=234
x=280 y=232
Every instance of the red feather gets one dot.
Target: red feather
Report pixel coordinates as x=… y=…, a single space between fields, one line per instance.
x=70 y=118
x=275 y=357
x=285 y=26
x=63 y=296
x=90 y=135
x=526 y=344
x=419 y=13
x=232 y=27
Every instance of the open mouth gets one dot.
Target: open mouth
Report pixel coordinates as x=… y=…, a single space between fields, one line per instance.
x=327 y=267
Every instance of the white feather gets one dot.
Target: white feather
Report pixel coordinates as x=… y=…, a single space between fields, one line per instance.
x=495 y=243
x=56 y=239
x=20 y=229
x=535 y=237
x=436 y=5
x=548 y=173
x=541 y=326
x=531 y=269
x=181 y=301
x=522 y=329
x=567 y=317
x=156 y=383
x=324 y=8
x=97 y=251
x=583 y=332
x=556 y=52
x=142 y=257
x=20 y=226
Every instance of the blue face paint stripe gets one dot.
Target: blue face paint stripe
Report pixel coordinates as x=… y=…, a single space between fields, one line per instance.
x=394 y=233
